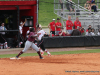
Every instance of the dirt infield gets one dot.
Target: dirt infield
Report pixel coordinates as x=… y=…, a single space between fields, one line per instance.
x=69 y=64
x=17 y=50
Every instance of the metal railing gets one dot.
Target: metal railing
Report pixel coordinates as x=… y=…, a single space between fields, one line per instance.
x=85 y=16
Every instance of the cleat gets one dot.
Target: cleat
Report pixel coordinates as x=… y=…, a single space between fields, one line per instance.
x=41 y=58
x=8 y=47
x=49 y=54
x=42 y=53
x=15 y=58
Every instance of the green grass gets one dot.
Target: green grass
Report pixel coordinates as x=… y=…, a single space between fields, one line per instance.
x=53 y=53
x=46 y=12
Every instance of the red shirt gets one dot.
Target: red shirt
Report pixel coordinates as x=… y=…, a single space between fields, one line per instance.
x=77 y=23
x=31 y=39
x=69 y=25
x=82 y=31
x=87 y=30
x=52 y=26
x=63 y=34
x=58 y=24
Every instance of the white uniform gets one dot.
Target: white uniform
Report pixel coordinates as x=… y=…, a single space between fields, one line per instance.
x=42 y=32
x=20 y=29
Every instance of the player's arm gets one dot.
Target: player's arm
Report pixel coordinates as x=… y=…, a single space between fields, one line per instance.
x=58 y=26
x=25 y=21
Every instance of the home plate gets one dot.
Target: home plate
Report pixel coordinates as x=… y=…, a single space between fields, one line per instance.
x=15 y=58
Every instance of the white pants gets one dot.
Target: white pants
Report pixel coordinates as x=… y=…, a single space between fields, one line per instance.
x=29 y=44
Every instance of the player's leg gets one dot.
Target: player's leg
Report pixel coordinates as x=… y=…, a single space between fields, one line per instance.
x=43 y=48
x=6 y=46
x=27 y=46
x=38 y=44
x=21 y=40
x=37 y=50
x=1 y=45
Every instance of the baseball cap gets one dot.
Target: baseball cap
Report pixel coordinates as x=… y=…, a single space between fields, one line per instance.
x=58 y=19
x=40 y=26
x=53 y=19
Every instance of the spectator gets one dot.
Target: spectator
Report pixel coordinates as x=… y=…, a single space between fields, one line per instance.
x=89 y=27
x=89 y=32
x=93 y=7
x=87 y=5
x=52 y=27
x=77 y=23
x=58 y=27
x=69 y=5
x=69 y=25
x=81 y=30
x=3 y=37
x=93 y=34
x=98 y=32
x=62 y=33
x=92 y=1
x=61 y=3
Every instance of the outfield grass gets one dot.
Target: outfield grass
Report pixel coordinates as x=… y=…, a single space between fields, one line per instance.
x=46 y=12
x=53 y=53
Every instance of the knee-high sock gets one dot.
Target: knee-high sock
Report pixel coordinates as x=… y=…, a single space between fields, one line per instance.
x=40 y=50
x=19 y=54
x=47 y=52
x=20 y=44
x=39 y=54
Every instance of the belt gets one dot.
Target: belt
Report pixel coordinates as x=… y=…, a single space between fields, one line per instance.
x=31 y=41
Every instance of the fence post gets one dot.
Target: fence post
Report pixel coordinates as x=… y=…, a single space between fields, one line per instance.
x=75 y=11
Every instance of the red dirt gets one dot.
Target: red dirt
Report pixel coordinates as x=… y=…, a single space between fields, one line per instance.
x=54 y=65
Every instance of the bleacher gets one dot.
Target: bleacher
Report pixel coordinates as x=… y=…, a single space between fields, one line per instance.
x=85 y=16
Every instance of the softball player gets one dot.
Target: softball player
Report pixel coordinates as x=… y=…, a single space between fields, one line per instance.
x=3 y=37
x=30 y=43
x=40 y=44
x=21 y=31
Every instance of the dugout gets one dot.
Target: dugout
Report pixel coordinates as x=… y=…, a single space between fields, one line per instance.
x=13 y=12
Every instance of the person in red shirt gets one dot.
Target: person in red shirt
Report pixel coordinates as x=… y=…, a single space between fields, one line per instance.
x=69 y=25
x=62 y=33
x=89 y=27
x=52 y=27
x=81 y=30
x=58 y=26
x=77 y=23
